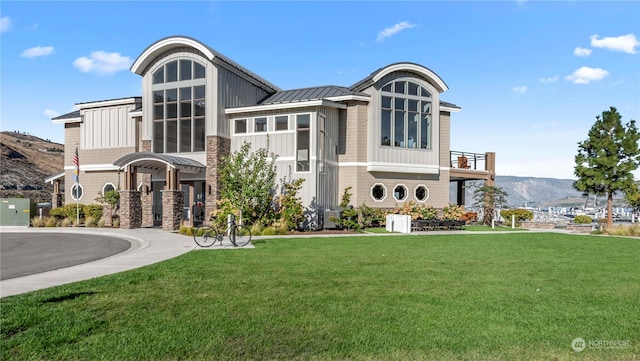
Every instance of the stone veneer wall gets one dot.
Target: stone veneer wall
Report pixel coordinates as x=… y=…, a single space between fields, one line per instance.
x=147 y=199
x=217 y=147
x=130 y=209
x=172 y=204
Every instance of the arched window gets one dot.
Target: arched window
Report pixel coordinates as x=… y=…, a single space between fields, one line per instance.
x=179 y=107
x=405 y=119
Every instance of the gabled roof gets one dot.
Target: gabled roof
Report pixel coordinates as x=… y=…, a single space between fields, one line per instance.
x=329 y=92
x=146 y=58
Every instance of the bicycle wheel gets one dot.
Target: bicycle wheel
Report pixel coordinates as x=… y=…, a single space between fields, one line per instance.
x=241 y=236
x=205 y=236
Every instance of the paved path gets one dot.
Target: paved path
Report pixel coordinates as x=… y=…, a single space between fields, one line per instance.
x=147 y=246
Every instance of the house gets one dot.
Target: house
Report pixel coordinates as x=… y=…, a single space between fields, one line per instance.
x=387 y=137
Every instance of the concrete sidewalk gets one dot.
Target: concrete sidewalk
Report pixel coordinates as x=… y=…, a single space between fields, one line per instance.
x=148 y=246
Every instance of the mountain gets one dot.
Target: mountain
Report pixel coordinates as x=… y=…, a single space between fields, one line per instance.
x=536 y=192
x=26 y=161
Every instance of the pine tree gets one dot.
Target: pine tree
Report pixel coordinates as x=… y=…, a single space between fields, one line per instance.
x=606 y=160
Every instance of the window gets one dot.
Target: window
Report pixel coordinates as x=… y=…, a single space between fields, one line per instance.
x=76 y=191
x=400 y=192
x=321 y=140
x=179 y=107
x=260 y=124
x=107 y=187
x=378 y=192
x=421 y=193
x=303 y=122
x=282 y=122
x=405 y=118
x=241 y=126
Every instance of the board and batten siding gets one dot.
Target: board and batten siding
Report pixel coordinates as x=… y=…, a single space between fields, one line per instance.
x=108 y=127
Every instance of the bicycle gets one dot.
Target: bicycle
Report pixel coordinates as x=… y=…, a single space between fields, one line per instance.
x=238 y=234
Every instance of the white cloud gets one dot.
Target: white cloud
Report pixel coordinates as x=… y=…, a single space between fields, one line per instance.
x=585 y=75
x=37 y=51
x=625 y=43
x=582 y=51
x=520 y=89
x=389 y=32
x=50 y=113
x=552 y=79
x=103 y=63
x=5 y=23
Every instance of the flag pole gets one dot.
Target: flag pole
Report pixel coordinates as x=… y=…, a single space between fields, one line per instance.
x=76 y=178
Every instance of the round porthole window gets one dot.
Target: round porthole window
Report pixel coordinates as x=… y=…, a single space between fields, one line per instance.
x=400 y=192
x=378 y=192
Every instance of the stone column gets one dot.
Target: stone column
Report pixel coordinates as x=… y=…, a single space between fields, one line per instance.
x=130 y=209
x=172 y=203
x=147 y=201
x=57 y=198
x=217 y=147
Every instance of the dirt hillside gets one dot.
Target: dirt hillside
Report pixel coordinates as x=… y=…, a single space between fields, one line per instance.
x=26 y=161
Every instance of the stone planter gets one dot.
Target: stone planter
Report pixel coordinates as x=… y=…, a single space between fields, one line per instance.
x=580 y=228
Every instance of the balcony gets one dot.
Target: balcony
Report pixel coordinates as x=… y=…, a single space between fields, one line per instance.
x=472 y=166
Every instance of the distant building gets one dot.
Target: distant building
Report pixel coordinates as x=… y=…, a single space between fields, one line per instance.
x=387 y=137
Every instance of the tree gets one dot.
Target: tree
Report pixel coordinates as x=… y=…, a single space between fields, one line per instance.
x=490 y=198
x=247 y=180
x=606 y=160
x=632 y=196
x=291 y=208
x=111 y=198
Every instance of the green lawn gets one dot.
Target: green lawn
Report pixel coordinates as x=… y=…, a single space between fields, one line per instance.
x=509 y=296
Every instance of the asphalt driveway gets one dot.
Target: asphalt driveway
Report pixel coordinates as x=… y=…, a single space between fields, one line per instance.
x=23 y=254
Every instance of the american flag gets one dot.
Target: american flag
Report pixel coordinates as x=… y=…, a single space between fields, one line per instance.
x=76 y=163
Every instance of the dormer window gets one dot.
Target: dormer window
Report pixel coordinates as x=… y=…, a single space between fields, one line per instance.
x=405 y=120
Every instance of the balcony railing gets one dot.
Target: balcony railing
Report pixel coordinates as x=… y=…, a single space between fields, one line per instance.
x=468 y=160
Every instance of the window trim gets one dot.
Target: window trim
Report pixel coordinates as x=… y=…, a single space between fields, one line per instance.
x=406 y=192
x=427 y=193
x=385 y=192
x=105 y=186
x=405 y=124
x=297 y=150
x=71 y=192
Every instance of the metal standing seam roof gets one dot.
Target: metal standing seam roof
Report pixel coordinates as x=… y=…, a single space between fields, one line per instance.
x=313 y=93
x=157 y=161
x=73 y=115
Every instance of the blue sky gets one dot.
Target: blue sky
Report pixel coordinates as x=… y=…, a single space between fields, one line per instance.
x=530 y=76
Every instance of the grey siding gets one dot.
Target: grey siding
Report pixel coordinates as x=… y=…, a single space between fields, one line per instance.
x=108 y=127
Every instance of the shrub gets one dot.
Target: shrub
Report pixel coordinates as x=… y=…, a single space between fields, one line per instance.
x=452 y=212
x=189 y=231
x=37 y=222
x=66 y=222
x=582 y=219
x=521 y=215
x=116 y=222
x=623 y=230
x=51 y=222
x=92 y=210
x=90 y=222
x=101 y=223
x=290 y=204
x=416 y=210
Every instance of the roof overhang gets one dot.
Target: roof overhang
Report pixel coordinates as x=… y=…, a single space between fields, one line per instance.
x=156 y=49
x=54 y=178
x=290 y=105
x=106 y=103
x=158 y=161
x=67 y=120
x=432 y=77
x=449 y=109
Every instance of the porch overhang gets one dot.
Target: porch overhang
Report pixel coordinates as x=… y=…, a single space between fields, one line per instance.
x=158 y=161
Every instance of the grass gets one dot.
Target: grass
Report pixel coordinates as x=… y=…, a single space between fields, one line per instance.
x=510 y=296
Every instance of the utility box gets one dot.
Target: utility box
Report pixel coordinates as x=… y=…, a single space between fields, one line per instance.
x=398 y=223
x=330 y=218
x=16 y=212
